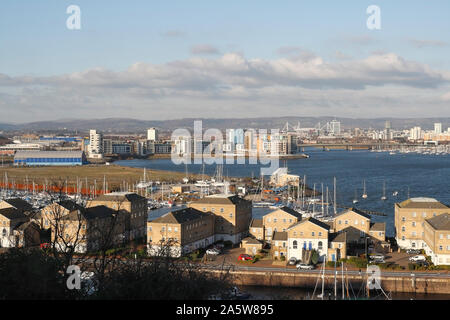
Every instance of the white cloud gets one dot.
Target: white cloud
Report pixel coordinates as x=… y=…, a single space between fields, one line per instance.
x=232 y=85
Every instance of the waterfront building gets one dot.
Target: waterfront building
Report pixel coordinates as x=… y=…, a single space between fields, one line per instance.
x=279 y=247
x=180 y=232
x=281 y=177
x=133 y=205
x=53 y=212
x=279 y=221
x=95 y=149
x=152 y=134
x=306 y=235
x=49 y=158
x=410 y=216
x=437 y=128
x=437 y=239
x=337 y=248
x=233 y=215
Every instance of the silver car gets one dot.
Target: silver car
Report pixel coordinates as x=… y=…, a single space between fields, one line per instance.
x=304 y=266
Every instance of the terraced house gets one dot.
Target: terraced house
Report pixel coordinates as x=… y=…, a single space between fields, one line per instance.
x=13 y=228
x=179 y=232
x=410 y=217
x=306 y=235
x=437 y=239
x=232 y=213
x=133 y=204
x=279 y=221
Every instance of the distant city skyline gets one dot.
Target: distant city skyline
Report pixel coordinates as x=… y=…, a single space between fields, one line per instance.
x=176 y=59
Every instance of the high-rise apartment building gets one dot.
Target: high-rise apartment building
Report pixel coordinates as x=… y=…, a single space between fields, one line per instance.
x=95 y=144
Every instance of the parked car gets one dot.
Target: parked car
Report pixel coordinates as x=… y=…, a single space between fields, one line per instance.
x=376 y=261
x=423 y=263
x=377 y=256
x=413 y=251
x=292 y=261
x=305 y=266
x=213 y=252
x=245 y=257
x=417 y=258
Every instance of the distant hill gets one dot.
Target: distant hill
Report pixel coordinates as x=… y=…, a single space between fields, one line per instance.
x=122 y=125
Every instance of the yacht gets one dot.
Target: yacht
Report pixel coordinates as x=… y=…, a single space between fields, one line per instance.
x=364 y=195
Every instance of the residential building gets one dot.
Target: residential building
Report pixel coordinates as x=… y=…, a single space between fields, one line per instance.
x=152 y=134
x=252 y=246
x=279 y=247
x=281 y=177
x=179 y=232
x=256 y=229
x=306 y=235
x=279 y=220
x=10 y=219
x=95 y=144
x=437 y=238
x=410 y=216
x=135 y=207
x=233 y=215
x=89 y=229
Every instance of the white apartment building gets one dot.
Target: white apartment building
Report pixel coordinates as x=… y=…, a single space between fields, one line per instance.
x=152 y=134
x=437 y=128
x=95 y=149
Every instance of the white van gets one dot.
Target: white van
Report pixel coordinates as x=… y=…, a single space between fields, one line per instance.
x=418 y=258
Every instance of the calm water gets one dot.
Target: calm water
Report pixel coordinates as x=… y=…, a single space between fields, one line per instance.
x=423 y=175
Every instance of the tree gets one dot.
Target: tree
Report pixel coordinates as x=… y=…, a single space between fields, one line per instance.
x=314 y=257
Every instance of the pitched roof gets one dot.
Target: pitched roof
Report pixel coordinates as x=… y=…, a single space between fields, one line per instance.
x=256 y=223
x=24 y=225
x=222 y=199
x=440 y=222
x=280 y=236
x=251 y=241
x=181 y=216
x=422 y=203
x=12 y=213
x=120 y=196
x=289 y=211
x=378 y=226
x=338 y=237
x=97 y=212
x=19 y=203
x=312 y=220
x=70 y=205
x=357 y=211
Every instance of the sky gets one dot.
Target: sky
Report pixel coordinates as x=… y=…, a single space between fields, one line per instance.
x=158 y=60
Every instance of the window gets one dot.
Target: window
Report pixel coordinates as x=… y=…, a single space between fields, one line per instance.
x=424 y=214
x=313 y=233
x=294 y=244
x=403 y=229
x=339 y=222
x=204 y=209
x=295 y=233
x=413 y=233
x=221 y=210
x=346 y=221
x=440 y=248
x=320 y=234
x=176 y=229
x=169 y=229
x=268 y=219
x=340 y=245
x=284 y=220
x=403 y=219
x=231 y=215
x=413 y=223
x=275 y=220
x=356 y=222
x=403 y=238
x=362 y=222
x=441 y=236
x=380 y=233
x=413 y=244
x=414 y=214
x=164 y=229
x=320 y=245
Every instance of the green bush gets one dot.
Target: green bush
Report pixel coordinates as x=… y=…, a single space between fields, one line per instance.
x=331 y=264
x=283 y=258
x=357 y=262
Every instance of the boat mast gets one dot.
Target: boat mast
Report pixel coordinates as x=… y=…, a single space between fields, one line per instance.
x=335 y=208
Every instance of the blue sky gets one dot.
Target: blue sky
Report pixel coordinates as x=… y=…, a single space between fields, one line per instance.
x=115 y=35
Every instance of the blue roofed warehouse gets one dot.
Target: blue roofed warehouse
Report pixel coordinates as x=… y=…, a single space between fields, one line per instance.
x=49 y=158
